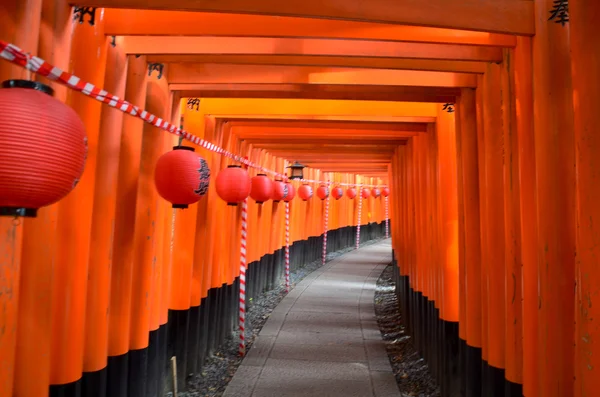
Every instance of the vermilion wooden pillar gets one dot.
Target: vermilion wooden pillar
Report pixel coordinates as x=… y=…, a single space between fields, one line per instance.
x=585 y=52
x=555 y=185
x=119 y=321
x=103 y=223
x=528 y=211
x=19 y=24
x=493 y=228
x=39 y=236
x=87 y=61
x=512 y=233
x=471 y=248
x=145 y=233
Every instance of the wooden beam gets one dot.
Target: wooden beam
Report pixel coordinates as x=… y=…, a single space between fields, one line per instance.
x=146 y=45
x=247 y=132
x=123 y=22
x=259 y=74
x=319 y=91
x=508 y=16
x=230 y=117
x=330 y=124
x=327 y=61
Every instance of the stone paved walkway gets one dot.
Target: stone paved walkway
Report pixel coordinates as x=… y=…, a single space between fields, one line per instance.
x=322 y=340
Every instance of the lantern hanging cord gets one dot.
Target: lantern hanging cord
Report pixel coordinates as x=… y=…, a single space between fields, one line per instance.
x=33 y=64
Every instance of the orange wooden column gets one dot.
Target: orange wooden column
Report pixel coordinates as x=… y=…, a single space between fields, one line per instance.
x=555 y=192
x=528 y=211
x=585 y=47
x=467 y=144
x=39 y=241
x=145 y=233
x=103 y=223
x=88 y=61
x=512 y=232
x=493 y=228
x=448 y=200
x=121 y=283
x=19 y=24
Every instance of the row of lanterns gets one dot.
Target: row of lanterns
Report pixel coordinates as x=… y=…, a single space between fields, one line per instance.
x=182 y=177
x=57 y=150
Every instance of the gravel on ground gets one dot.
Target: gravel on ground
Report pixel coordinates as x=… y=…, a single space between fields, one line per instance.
x=410 y=370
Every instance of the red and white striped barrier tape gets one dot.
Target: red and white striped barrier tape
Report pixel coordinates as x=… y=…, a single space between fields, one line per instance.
x=287 y=246
x=243 y=277
x=14 y=54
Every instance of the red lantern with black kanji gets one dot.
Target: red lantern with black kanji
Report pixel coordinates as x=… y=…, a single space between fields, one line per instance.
x=262 y=188
x=375 y=192
x=351 y=193
x=337 y=192
x=291 y=192
x=305 y=192
x=323 y=192
x=233 y=184
x=181 y=176
x=280 y=192
x=366 y=192
x=385 y=191
x=43 y=148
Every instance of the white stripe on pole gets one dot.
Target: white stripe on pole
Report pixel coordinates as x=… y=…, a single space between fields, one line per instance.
x=242 y=349
x=360 y=199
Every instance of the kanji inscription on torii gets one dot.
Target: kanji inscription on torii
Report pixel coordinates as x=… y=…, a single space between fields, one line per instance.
x=560 y=12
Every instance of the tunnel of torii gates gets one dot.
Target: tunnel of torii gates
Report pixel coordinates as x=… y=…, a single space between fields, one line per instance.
x=478 y=118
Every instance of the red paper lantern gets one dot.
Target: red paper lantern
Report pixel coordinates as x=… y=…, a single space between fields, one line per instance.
x=291 y=192
x=233 y=184
x=43 y=148
x=366 y=192
x=375 y=192
x=323 y=192
x=385 y=192
x=262 y=188
x=305 y=192
x=181 y=176
x=279 y=191
x=337 y=192
x=351 y=193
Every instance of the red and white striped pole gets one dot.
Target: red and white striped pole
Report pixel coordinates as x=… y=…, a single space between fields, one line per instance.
x=387 y=219
x=287 y=246
x=243 y=278
x=360 y=199
x=326 y=224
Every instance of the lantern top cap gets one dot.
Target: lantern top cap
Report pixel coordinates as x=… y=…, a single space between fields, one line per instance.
x=296 y=165
x=33 y=85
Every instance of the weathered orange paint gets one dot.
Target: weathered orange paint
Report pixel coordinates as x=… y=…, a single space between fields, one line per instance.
x=585 y=60
x=103 y=217
x=512 y=226
x=555 y=192
x=88 y=61
x=147 y=223
x=119 y=321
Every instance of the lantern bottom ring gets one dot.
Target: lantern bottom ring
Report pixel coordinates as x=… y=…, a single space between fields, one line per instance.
x=18 y=211
x=232 y=204
x=180 y=206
